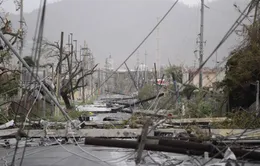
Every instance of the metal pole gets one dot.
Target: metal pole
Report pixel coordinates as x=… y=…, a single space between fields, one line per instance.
x=33 y=75
x=21 y=47
x=201 y=42
x=257 y=97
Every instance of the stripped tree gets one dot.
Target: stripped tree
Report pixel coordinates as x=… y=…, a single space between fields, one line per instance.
x=69 y=68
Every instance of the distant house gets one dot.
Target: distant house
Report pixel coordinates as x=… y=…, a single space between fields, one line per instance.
x=210 y=76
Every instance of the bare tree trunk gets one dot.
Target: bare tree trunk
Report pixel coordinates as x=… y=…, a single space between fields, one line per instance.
x=66 y=100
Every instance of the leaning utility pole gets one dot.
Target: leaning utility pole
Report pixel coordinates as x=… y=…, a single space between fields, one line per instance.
x=201 y=43
x=21 y=47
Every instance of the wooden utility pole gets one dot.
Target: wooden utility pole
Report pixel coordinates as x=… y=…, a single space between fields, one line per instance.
x=99 y=81
x=76 y=48
x=84 y=54
x=60 y=63
x=59 y=70
x=201 y=43
x=156 y=78
x=257 y=97
x=71 y=62
x=21 y=47
x=83 y=79
x=91 y=76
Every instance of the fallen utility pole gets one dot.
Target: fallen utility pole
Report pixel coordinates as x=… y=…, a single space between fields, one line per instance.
x=125 y=105
x=33 y=75
x=131 y=76
x=134 y=145
x=142 y=142
x=173 y=146
x=142 y=101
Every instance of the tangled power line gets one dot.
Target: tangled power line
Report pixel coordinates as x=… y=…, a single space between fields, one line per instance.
x=36 y=56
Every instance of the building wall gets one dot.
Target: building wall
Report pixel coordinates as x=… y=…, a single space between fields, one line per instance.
x=209 y=76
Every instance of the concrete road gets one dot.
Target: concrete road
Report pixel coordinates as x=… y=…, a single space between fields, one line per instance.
x=71 y=155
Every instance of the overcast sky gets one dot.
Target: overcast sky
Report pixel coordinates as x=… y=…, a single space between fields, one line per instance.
x=30 y=5
x=177 y=41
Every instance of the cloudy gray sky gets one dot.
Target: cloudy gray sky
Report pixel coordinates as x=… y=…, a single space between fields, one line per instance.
x=116 y=27
x=30 y=5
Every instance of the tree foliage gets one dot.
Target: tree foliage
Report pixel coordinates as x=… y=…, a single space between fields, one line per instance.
x=199 y=108
x=242 y=69
x=8 y=77
x=188 y=91
x=9 y=81
x=174 y=73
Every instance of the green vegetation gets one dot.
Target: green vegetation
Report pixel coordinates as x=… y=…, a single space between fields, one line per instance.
x=240 y=119
x=242 y=69
x=9 y=83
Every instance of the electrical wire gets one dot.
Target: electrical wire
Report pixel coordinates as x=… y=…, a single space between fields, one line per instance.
x=142 y=42
x=90 y=153
x=147 y=37
x=39 y=38
x=240 y=135
x=25 y=122
x=229 y=32
x=78 y=154
x=35 y=152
